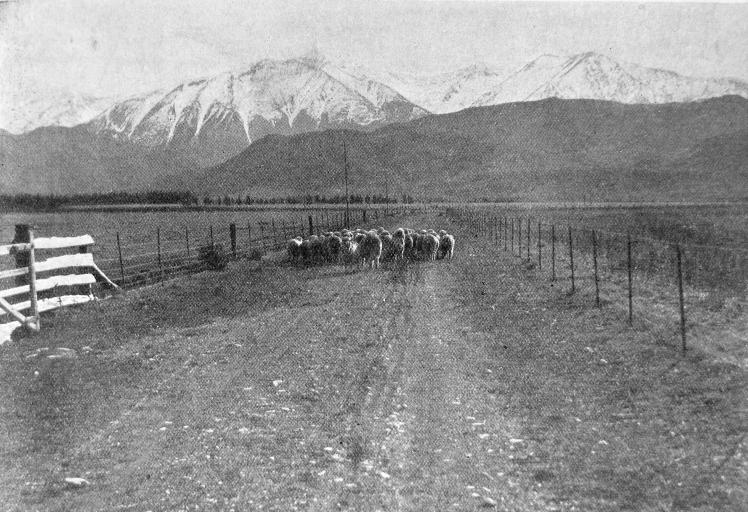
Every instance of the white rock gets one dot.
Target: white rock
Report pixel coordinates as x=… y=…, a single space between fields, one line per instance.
x=76 y=482
x=488 y=502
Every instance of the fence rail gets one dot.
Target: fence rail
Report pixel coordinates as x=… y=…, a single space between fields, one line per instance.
x=23 y=249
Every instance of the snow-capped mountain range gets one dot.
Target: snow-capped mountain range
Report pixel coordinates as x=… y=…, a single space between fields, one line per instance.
x=584 y=76
x=311 y=93
x=285 y=97
x=19 y=114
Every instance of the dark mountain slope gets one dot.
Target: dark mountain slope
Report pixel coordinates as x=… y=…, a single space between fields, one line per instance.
x=550 y=149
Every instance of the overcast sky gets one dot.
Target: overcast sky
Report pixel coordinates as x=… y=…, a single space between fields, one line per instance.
x=113 y=47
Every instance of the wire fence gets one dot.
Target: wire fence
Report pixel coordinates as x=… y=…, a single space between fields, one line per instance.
x=141 y=257
x=664 y=285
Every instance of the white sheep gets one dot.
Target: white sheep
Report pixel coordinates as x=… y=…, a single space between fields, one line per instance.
x=447 y=246
x=370 y=249
x=293 y=248
x=429 y=247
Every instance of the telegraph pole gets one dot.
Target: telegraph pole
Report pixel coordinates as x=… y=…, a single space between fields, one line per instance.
x=386 y=195
x=345 y=168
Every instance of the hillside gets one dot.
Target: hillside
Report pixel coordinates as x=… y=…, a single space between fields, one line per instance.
x=57 y=160
x=545 y=150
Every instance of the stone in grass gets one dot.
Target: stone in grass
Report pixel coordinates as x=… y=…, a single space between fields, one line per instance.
x=488 y=502
x=74 y=481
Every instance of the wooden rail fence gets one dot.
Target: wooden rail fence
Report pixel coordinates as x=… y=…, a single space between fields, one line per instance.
x=24 y=250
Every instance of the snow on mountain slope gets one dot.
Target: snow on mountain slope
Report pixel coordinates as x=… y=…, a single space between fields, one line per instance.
x=271 y=97
x=444 y=92
x=22 y=113
x=312 y=93
x=594 y=76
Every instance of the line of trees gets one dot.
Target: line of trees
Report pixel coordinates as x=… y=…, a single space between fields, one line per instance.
x=42 y=202
x=307 y=199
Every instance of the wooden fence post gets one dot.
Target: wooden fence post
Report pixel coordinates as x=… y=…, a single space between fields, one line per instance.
x=187 y=240
x=121 y=265
x=628 y=266
x=232 y=236
x=540 y=260
x=22 y=257
x=519 y=237
x=571 y=259
x=512 y=236
x=553 y=252
x=680 y=298
x=35 y=322
x=158 y=252
x=249 y=238
x=506 y=233
x=594 y=262
x=528 y=238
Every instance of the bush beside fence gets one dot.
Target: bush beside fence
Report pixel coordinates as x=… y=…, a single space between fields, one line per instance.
x=171 y=252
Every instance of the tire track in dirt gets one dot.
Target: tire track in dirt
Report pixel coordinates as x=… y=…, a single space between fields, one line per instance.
x=429 y=422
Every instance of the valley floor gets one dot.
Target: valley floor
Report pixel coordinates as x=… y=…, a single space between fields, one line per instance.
x=452 y=385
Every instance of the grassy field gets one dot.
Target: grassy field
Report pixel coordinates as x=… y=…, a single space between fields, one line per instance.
x=459 y=385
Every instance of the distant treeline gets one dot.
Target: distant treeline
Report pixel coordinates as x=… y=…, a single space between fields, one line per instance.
x=39 y=202
x=307 y=199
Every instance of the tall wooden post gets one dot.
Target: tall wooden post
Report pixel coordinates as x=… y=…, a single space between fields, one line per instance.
x=512 y=236
x=528 y=238
x=158 y=252
x=571 y=259
x=347 y=203
x=630 y=280
x=553 y=252
x=506 y=233
x=519 y=237
x=232 y=236
x=249 y=238
x=540 y=260
x=681 y=302
x=34 y=322
x=121 y=265
x=22 y=257
x=594 y=263
x=187 y=240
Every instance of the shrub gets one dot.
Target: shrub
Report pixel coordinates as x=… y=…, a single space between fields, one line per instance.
x=214 y=256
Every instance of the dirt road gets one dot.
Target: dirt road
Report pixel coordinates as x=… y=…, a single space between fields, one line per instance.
x=458 y=385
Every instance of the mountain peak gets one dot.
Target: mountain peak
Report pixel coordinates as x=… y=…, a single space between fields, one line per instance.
x=290 y=96
x=314 y=58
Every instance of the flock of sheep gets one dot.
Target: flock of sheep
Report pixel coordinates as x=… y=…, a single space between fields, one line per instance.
x=370 y=248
